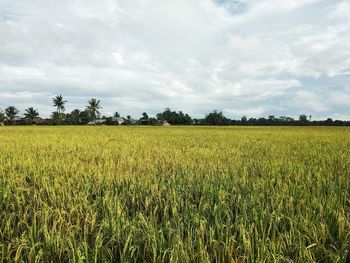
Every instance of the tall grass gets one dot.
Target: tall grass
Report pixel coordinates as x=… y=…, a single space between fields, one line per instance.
x=156 y=194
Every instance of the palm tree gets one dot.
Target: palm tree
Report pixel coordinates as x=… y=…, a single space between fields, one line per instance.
x=31 y=115
x=58 y=102
x=11 y=113
x=93 y=108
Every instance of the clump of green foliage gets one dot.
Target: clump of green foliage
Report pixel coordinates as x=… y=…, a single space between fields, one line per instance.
x=174 y=194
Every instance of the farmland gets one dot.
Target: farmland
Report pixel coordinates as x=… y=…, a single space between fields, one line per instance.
x=174 y=194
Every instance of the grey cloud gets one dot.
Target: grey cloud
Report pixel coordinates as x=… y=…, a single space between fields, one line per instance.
x=194 y=55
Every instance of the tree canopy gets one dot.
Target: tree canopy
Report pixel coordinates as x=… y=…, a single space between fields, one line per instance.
x=93 y=108
x=11 y=113
x=31 y=115
x=92 y=112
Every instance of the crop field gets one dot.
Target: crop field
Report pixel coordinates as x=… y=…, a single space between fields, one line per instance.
x=174 y=194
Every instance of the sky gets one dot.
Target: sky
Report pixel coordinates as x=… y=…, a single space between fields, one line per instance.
x=243 y=57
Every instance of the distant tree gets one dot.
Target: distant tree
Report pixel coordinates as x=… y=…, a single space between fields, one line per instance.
x=11 y=113
x=166 y=115
x=329 y=121
x=338 y=123
x=75 y=116
x=303 y=119
x=109 y=121
x=153 y=121
x=174 y=118
x=252 y=121
x=58 y=102
x=2 y=117
x=31 y=115
x=94 y=108
x=128 y=120
x=244 y=120
x=184 y=119
x=285 y=120
x=264 y=121
x=144 y=119
x=216 y=118
x=84 y=117
x=116 y=115
x=56 y=117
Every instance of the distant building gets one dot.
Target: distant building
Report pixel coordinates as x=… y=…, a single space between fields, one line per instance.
x=119 y=120
x=100 y=121
x=165 y=123
x=39 y=121
x=285 y=118
x=97 y=122
x=19 y=121
x=116 y=120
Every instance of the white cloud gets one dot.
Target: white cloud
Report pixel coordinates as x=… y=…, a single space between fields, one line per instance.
x=245 y=112
x=341 y=11
x=307 y=100
x=340 y=98
x=191 y=55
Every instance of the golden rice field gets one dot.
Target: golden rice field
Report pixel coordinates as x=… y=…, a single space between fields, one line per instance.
x=174 y=194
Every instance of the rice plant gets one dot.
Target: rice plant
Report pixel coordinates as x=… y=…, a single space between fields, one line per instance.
x=174 y=194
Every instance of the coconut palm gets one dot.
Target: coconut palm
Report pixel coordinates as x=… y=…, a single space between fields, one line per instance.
x=93 y=108
x=11 y=113
x=58 y=102
x=31 y=115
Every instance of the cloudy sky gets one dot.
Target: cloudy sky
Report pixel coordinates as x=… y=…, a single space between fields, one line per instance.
x=243 y=57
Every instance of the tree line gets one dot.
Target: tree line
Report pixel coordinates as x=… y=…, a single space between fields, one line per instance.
x=92 y=115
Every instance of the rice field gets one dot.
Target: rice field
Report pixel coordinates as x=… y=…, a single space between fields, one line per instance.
x=174 y=194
